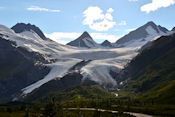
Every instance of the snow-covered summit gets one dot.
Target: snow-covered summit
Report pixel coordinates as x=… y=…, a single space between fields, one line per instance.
x=141 y=35
x=85 y=40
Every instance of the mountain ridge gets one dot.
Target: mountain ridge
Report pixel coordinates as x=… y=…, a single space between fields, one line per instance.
x=141 y=35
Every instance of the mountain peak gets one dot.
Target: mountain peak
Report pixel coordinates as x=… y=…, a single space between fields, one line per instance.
x=150 y=23
x=85 y=35
x=141 y=35
x=106 y=43
x=85 y=40
x=173 y=29
x=158 y=28
x=85 y=32
x=21 y=27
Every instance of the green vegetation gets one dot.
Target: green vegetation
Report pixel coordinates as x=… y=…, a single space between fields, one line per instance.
x=80 y=97
x=52 y=109
x=151 y=75
x=149 y=80
x=77 y=92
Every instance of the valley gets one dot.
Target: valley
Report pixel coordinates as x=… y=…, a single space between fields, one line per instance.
x=134 y=74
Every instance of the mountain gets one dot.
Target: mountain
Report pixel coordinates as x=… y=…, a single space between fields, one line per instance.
x=18 y=69
x=106 y=43
x=173 y=29
x=93 y=64
x=85 y=40
x=141 y=35
x=22 y=27
x=150 y=75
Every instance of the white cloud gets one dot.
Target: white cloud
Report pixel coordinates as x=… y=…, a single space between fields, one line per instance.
x=103 y=25
x=65 y=37
x=122 y=23
x=132 y=0
x=91 y=14
x=156 y=4
x=97 y=20
x=109 y=16
x=110 y=10
x=37 y=8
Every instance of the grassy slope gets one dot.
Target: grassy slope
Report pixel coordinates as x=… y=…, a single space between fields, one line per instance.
x=83 y=92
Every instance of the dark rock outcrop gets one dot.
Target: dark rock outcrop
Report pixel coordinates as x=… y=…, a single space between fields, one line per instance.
x=21 y=27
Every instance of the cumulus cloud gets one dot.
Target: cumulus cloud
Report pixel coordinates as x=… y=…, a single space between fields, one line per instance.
x=110 y=10
x=65 y=37
x=97 y=20
x=37 y=8
x=156 y=4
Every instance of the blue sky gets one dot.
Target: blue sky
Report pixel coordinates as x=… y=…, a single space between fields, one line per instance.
x=65 y=20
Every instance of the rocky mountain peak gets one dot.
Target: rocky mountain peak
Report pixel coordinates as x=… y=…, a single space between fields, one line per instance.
x=21 y=27
x=85 y=35
x=106 y=43
x=85 y=40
